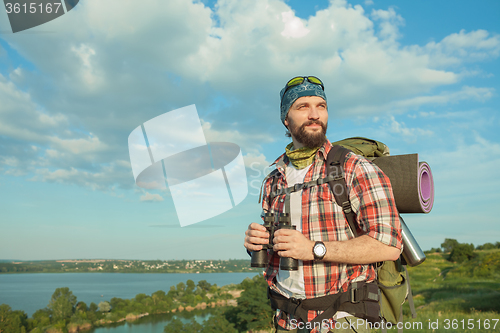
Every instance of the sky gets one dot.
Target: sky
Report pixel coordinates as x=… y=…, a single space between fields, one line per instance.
x=422 y=77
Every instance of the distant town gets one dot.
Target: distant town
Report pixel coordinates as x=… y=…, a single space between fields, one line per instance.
x=127 y=266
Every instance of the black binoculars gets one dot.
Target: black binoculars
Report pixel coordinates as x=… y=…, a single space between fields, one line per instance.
x=259 y=258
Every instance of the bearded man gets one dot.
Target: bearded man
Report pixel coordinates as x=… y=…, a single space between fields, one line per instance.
x=331 y=260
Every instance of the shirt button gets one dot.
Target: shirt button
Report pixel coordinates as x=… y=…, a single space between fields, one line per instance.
x=275 y=271
x=281 y=200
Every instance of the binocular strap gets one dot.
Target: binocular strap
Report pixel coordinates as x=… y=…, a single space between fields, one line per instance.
x=360 y=300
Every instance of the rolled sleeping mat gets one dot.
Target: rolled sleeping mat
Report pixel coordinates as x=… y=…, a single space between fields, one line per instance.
x=411 y=181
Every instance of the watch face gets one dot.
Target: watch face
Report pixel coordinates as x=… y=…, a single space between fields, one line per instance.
x=319 y=249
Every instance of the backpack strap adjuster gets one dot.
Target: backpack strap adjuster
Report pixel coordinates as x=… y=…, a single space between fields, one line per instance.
x=353 y=293
x=339 y=177
x=346 y=207
x=298 y=187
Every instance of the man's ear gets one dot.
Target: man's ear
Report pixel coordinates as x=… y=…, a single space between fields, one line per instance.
x=286 y=122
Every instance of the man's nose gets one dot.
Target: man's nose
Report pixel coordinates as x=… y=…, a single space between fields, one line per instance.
x=313 y=113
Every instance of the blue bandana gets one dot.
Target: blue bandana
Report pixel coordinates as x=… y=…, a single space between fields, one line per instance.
x=305 y=89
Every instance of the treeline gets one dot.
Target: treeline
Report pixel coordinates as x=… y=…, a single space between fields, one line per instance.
x=482 y=261
x=64 y=314
x=461 y=251
x=253 y=313
x=127 y=266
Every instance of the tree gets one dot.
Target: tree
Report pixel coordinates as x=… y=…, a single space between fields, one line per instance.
x=92 y=313
x=254 y=310
x=41 y=317
x=449 y=244
x=176 y=326
x=104 y=306
x=81 y=306
x=181 y=287
x=218 y=324
x=62 y=304
x=462 y=252
x=487 y=246
x=190 y=286
x=434 y=249
x=116 y=303
x=204 y=285
x=140 y=297
x=93 y=307
x=158 y=296
x=12 y=321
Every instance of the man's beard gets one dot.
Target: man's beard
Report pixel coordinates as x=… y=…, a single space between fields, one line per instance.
x=311 y=140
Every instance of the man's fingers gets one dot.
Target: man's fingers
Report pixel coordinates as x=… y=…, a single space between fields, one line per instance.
x=253 y=247
x=257 y=240
x=285 y=236
x=264 y=235
x=256 y=226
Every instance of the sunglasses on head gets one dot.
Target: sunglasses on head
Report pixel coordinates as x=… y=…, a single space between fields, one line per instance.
x=298 y=80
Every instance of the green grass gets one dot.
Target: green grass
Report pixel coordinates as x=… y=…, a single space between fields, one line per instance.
x=455 y=297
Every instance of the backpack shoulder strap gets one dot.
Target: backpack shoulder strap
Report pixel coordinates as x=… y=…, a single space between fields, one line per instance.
x=272 y=175
x=335 y=167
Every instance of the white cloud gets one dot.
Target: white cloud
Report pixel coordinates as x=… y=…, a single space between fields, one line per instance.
x=472 y=154
x=155 y=197
x=406 y=133
x=459 y=48
x=443 y=98
x=294 y=27
x=88 y=73
x=102 y=75
x=390 y=23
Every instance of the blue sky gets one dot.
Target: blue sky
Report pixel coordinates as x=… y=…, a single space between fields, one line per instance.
x=421 y=77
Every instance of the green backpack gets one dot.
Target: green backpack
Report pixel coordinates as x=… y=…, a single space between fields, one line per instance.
x=368 y=148
x=392 y=276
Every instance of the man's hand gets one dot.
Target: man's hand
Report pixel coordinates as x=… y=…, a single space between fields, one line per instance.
x=292 y=243
x=255 y=236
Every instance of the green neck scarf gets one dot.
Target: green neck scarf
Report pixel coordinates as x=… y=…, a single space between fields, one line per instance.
x=302 y=157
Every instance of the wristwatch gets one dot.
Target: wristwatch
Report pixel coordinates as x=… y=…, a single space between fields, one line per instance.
x=319 y=250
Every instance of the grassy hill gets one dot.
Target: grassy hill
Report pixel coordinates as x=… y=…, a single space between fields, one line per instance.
x=462 y=297
x=449 y=297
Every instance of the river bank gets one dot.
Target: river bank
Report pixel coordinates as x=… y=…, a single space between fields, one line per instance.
x=31 y=292
x=175 y=294
x=131 y=317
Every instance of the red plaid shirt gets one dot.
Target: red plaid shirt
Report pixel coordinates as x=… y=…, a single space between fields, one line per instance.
x=372 y=200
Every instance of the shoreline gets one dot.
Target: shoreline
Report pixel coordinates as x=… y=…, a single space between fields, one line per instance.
x=131 y=317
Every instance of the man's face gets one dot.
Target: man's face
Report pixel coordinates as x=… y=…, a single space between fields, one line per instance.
x=307 y=121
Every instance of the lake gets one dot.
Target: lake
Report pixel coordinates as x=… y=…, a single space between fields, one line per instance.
x=30 y=292
x=153 y=323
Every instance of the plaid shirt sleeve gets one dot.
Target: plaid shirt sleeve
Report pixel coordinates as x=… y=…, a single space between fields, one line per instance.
x=373 y=201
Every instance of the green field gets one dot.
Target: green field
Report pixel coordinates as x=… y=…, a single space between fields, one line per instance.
x=456 y=297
